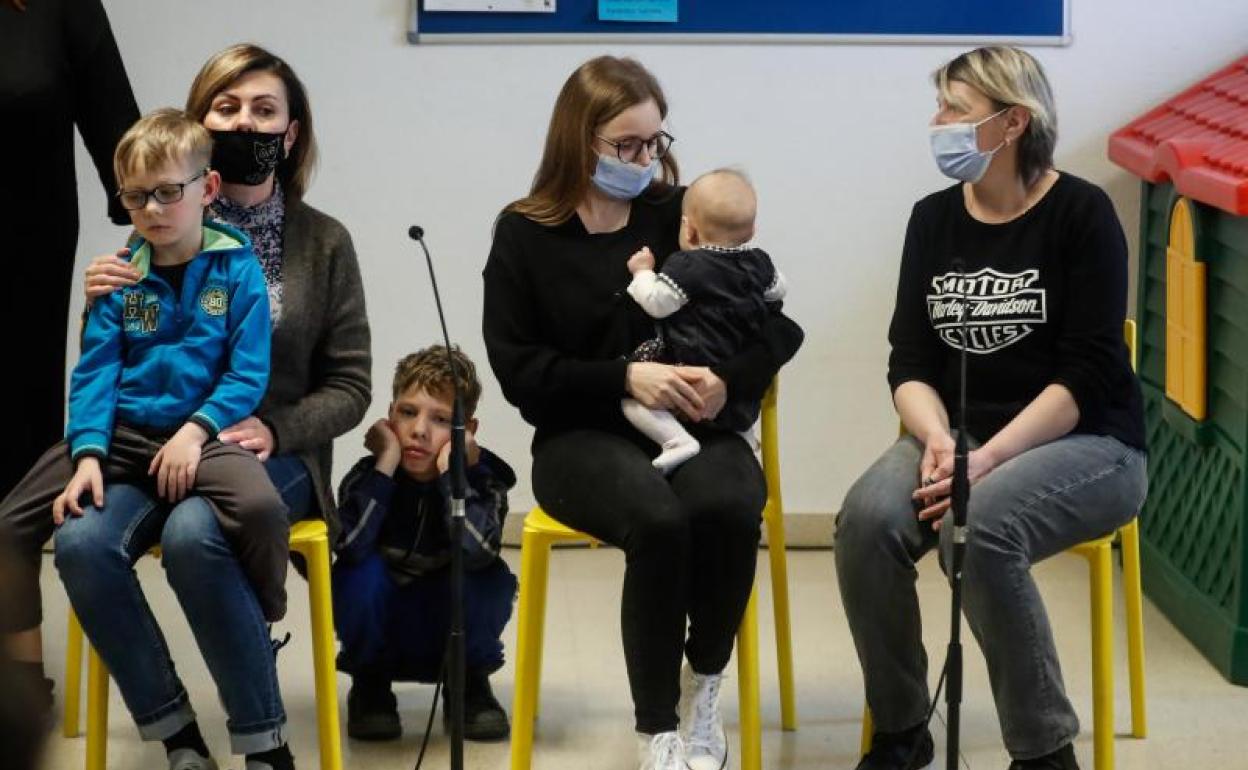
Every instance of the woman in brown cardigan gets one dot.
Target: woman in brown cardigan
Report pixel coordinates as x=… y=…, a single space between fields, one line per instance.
x=319 y=388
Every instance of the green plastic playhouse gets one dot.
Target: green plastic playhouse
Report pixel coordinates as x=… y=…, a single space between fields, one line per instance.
x=1192 y=154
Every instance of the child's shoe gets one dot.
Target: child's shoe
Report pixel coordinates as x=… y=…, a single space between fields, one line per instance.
x=484 y=717
x=372 y=711
x=190 y=759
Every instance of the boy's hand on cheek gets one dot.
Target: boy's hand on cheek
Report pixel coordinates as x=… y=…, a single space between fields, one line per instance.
x=177 y=462
x=383 y=443
x=470 y=449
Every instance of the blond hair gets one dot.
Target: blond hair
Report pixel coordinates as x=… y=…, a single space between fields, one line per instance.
x=430 y=370
x=595 y=93
x=223 y=69
x=167 y=135
x=722 y=204
x=1010 y=77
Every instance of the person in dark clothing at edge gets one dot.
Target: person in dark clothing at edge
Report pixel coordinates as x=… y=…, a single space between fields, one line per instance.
x=1038 y=260
x=558 y=328
x=59 y=68
x=392 y=576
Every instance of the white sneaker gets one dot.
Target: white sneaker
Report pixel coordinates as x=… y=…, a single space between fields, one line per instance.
x=662 y=751
x=701 y=727
x=190 y=759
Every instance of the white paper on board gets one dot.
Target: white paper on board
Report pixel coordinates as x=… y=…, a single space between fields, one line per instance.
x=492 y=6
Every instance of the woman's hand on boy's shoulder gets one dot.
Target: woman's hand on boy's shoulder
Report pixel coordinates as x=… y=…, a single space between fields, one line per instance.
x=108 y=273
x=383 y=443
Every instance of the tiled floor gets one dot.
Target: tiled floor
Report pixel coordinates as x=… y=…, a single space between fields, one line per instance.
x=1196 y=719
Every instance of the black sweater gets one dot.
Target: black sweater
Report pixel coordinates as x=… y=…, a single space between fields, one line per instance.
x=559 y=326
x=1047 y=294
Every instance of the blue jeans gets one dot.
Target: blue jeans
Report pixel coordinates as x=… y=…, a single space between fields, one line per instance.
x=95 y=555
x=400 y=632
x=1029 y=508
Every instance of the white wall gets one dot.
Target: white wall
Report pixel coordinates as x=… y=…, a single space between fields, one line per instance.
x=834 y=137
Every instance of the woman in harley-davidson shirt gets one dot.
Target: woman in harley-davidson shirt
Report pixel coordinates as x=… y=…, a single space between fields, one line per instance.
x=1037 y=260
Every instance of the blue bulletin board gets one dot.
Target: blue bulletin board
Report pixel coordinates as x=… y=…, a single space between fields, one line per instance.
x=1027 y=22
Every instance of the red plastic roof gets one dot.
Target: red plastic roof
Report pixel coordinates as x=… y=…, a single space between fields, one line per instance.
x=1198 y=140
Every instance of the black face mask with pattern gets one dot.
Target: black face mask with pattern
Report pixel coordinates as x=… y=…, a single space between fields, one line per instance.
x=246 y=157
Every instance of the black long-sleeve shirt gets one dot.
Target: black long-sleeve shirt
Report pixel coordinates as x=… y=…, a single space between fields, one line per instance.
x=559 y=325
x=59 y=68
x=1047 y=296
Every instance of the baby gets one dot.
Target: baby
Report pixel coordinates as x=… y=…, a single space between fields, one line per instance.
x=711 y=299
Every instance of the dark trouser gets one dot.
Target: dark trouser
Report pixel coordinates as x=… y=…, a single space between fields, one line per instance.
x=251 y=514
x=690 y=542
x=399 y=633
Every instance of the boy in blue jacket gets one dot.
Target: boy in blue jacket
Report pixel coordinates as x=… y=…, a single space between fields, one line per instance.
x=392 y=578
x=167 y=363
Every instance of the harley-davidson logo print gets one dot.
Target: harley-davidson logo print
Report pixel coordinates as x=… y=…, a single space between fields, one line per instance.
x=1002 y=308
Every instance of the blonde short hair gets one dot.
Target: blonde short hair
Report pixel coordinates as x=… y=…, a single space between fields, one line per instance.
x=722 y=204
x=167 y=135
x=1010 y=77
x=430 y=370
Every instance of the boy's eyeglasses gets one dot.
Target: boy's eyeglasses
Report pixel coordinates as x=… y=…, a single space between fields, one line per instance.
x=628 y=149
x=133 y=200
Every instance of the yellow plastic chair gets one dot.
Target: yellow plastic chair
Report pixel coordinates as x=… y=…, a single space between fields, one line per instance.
x=1099 y=552
x=309 y=538
x=541 y=532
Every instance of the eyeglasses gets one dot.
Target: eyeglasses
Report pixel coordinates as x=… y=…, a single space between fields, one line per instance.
x=133 y=200
x=627 y=150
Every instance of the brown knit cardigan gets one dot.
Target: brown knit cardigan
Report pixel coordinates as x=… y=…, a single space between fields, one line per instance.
x=320 y=376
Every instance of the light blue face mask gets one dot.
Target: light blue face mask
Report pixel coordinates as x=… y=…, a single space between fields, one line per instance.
x=955 y=146
x=621 y=180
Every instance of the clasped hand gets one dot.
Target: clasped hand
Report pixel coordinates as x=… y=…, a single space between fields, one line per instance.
x=936 y=476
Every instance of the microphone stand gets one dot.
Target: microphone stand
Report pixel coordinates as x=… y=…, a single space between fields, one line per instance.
x=459 y=490
x=959 y=499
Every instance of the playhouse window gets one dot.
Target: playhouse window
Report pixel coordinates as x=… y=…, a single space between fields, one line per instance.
x=1185 y=315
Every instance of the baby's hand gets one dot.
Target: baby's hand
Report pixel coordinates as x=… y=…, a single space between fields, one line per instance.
x=642 y=260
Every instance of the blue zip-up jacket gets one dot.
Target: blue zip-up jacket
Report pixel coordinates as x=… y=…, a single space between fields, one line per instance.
x=408 y=521
x=155 y=360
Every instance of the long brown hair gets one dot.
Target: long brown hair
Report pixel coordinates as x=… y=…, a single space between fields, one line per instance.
x=295 y=170
x=596 y=92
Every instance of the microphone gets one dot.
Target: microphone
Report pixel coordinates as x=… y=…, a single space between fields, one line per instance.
x=960 y=498
x=459 y=493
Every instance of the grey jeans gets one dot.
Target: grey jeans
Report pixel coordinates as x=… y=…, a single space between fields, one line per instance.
x=1038 y=504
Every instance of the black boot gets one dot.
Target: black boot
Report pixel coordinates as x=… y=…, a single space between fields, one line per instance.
x=484 y=718
x=372 y=711
x=1062 y=759
x=907 y=750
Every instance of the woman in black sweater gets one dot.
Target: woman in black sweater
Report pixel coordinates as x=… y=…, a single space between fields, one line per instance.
x=559 y=327
x=1038 y=260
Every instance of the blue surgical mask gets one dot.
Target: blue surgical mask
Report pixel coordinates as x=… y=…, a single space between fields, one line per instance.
x=621 y=180
x=955 y=146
